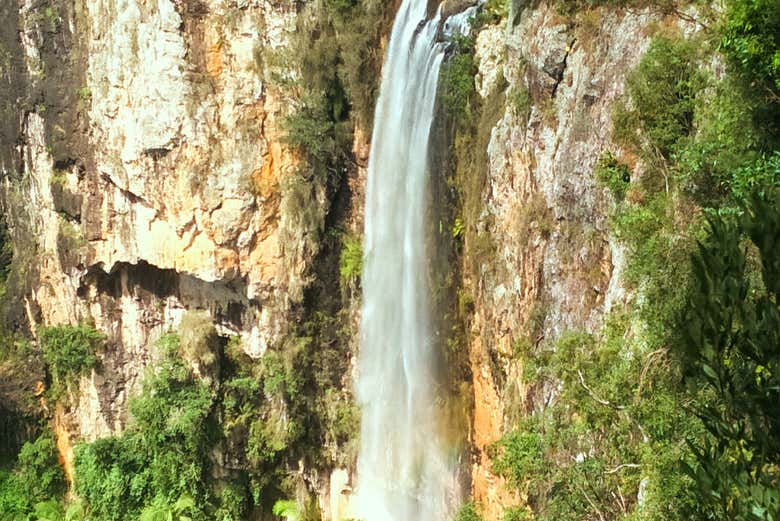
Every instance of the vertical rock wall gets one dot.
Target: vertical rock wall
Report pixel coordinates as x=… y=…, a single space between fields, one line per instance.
x=553 y=265
x=143 y=175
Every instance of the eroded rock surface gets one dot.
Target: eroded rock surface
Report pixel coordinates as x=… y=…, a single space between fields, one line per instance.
x=554 y=266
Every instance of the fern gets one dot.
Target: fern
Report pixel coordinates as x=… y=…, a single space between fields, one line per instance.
x=287 y=509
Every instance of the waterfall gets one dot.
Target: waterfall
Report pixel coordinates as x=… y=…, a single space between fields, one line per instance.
x=404 y=471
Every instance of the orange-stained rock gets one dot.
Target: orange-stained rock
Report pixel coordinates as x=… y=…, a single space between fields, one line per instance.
x=64 y=445
x=265 y=259
x=488 y=489
x=214 y=63
x=266 y=179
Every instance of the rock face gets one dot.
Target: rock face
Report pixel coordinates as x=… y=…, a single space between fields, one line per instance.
x=170 y=198
x=143 y=173
x=144 y=178
x=554 y=266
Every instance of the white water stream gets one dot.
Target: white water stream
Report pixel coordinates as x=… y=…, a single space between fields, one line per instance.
x=404 y=473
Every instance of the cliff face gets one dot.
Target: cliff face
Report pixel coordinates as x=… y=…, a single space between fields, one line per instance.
x=147 y=181
x=553 y=266
x=144 y=177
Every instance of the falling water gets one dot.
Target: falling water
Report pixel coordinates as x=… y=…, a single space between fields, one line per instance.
x=404 y=471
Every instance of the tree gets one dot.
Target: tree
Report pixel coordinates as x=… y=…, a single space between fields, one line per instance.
x=731 y=348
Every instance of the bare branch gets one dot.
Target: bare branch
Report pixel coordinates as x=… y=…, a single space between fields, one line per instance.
x=623 y=466
x=591 y=503
x=649 y=360
x=593 y=395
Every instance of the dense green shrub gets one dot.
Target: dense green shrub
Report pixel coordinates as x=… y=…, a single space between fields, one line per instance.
x=759 y=177
x=35 y=478
x=161 y=457
x=178 y=511
x=322 y=140
x=69 y=352
x=518 y=513
x=288 y=509
x=521 y=457
x=731 y=344
x=616 y=422
x=726 y=138
x=751 y=39
x=663 y=90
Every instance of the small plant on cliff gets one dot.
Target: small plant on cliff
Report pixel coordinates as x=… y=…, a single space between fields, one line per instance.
x=468 y=512
x=287 y=509
x=69 y=352
x=351 y=259
x=522 y=103
x=613 y=175
x=458 y=87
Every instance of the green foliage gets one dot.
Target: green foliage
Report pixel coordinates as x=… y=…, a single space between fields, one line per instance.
x=287 y=509
x=521 y=457
x=334 y=58
x=613 y=175
x=278 y=379
x=617 y=421
x=322 y=140
x=470 y=164
x=727 y=137
x=731 y=345
x=491 y=12
x=198 y=341
x=233 y=501
x=165 y=512
x=324 y=409
x=759 y=177
x=35 y=478
x=160 y=458
x=359 y=26
x=75 y=512
x=69 y=352
x=6 y=257
x=663 y=90
x=751 y=39
x=335 y=55
x=518 y=514
x=468 y=512
x=351 y=259
x=458 y=90
x=521 y=103
x=84 y=93
x=457 y=229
